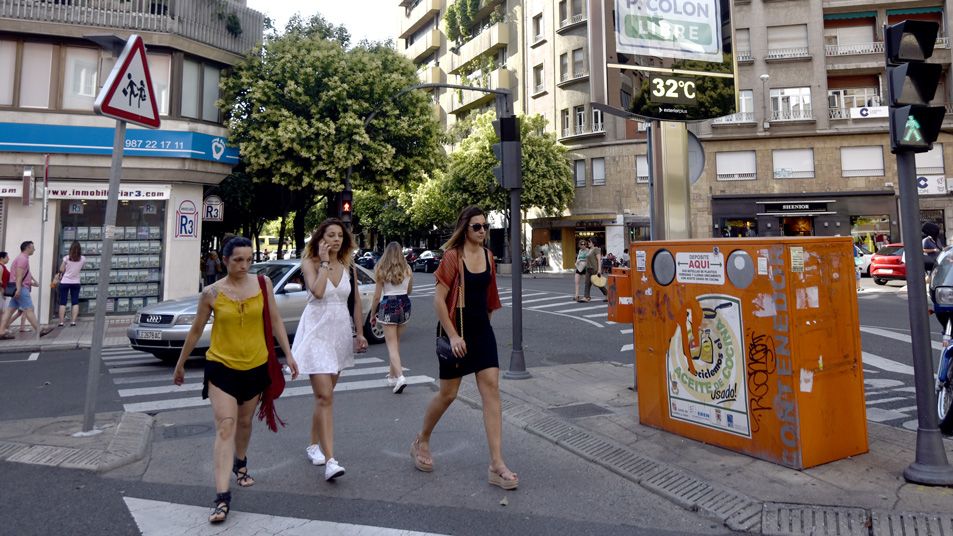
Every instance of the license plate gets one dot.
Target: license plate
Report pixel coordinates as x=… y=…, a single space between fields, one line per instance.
x=150 y=334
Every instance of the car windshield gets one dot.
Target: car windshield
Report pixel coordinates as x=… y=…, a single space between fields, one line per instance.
x=890 y=250
x=274 y=271
x=943 y=273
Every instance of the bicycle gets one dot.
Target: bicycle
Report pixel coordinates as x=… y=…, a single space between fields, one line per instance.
x=941 y=294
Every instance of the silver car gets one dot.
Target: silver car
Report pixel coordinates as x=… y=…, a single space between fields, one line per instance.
x=161 y=328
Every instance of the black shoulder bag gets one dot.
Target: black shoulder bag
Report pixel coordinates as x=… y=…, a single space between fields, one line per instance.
x=444 y=351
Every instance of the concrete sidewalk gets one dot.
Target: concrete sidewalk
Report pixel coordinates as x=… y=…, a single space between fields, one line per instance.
x=68 y=337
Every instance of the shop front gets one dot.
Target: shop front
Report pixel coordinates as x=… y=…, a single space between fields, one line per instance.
x=871 y=218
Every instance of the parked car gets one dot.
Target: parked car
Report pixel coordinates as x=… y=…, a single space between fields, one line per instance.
x=860 y=252
x=161 y=328
x=887 y=264
x=411 y=254
x=369 y=259
x=428 y=261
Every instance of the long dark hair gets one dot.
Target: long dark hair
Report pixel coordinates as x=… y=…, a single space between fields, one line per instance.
x=75 y=251
x=347 y=244
x=459 y=236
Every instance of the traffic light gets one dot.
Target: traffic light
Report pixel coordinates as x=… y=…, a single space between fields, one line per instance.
x=508 y=152
x=912 y=84
x=345 y=205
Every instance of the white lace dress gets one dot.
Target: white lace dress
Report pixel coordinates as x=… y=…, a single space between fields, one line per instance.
x=323 y=343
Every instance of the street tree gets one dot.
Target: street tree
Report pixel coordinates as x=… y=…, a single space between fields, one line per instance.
x=298 y=107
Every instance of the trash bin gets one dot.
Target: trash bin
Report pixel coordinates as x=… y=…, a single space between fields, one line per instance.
x=619 y=293
x=751 y=344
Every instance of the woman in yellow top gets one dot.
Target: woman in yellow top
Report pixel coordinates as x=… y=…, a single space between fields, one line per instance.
x=236 y=365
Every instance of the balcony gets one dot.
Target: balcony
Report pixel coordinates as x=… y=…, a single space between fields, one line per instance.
x=566 y=79
x=431 y=75
x=583 y=131
x=426 y=45
x=490 y=39
x=233 y=27
x=744 y=56
x=571 y=22
x=736 y=176
x=418 y=16
x=736 y=119
x=871 y=55
x=787 y=54
x=791 y=115
x=465 y=100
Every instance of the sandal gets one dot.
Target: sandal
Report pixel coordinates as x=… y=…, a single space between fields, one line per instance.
x=222 y=503
x=419 y=462
x=242 y=478
x=497 y=479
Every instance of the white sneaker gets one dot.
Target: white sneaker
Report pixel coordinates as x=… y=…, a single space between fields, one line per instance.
x=391 y=381
x=332 y=470
x=315 y=454
x=399 y=384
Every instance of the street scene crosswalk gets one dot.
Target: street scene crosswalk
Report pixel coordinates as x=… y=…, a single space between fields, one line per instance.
x=145 y=384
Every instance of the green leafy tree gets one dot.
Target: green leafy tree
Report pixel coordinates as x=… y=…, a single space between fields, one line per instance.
x=297 y=110
x=452 y=23
x=434 y=203
x=546 y=170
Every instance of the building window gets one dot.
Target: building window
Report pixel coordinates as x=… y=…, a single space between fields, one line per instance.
x=793 y=163
x=580 y=172
x=564 y=66
x=597 y=124
x=743 y=44
x=598 y=171
x=736 y=166
x=931 y=162
x=210 y=93
x=538 y=27
x=746 y=101
x=160 y=69
x=578 y=63
x=787 y=41
x=538 y=82
x=35 y=75
x=80 y=82
x=641 y=169
x=577 y=8
x=791 y=104
x=8 y=63
x=862 y=161
x=564 y=121
x=579 y=112
x=191 y=74
x=844 y=99
x=563 y=15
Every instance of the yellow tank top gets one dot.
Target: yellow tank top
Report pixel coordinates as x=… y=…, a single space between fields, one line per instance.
x=238 y=333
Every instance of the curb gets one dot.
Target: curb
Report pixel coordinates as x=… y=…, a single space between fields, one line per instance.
x=53 y=347
x=736 y=511
x=132 y=439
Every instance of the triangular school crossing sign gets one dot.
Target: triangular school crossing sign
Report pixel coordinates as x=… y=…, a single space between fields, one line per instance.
x=127 y=94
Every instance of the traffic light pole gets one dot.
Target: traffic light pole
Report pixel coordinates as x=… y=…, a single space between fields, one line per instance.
x=931 y=466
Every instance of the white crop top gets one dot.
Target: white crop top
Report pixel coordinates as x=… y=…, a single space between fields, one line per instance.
x=391 y=289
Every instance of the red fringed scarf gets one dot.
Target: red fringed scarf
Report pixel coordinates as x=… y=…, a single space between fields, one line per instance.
x=267 y=410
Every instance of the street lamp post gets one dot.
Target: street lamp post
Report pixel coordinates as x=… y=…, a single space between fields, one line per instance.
x=764 y=100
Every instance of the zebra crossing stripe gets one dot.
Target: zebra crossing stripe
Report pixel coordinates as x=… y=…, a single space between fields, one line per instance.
x=544 y=299
x=191 y=402
x=579 y=309
x=895 y=336
x=886 y=364
x=154 y=378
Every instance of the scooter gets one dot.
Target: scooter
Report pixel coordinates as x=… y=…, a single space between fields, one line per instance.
x=941 y=294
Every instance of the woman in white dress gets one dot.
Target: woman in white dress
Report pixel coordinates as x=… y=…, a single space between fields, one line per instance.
x=323 y=345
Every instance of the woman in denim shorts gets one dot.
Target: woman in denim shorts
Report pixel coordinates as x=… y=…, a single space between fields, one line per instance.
x=391 y=307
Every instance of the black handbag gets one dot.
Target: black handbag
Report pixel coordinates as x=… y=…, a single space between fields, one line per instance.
x=10 y=289
x=444 y=351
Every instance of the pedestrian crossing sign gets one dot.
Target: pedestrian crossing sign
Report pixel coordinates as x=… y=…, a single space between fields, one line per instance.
x=127 y=94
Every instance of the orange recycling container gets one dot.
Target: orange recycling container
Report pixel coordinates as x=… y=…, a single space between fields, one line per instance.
x=752 y=344
x=620 y=296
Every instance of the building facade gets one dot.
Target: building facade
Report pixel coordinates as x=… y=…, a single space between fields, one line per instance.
x=50 y=74
x=806 y=154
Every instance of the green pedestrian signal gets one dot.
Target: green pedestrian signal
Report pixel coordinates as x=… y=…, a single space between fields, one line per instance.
x=912 y=130
x=912 y=85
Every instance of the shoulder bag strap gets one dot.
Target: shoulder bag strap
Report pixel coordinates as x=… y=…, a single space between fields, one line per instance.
x=266 y=314
x=460 y=292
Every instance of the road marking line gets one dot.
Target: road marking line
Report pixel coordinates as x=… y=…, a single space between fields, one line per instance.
x=537 y=307
x=139 y=361
x=883 y=415
x=579 y=309
x=886 y=364
x=178 y=403
x=627 y=348
x=155 y=378
x=544 y=299
x=895 y=336
x=625 y=331
x=597 y=315
x=885 y=400
x=34 y=356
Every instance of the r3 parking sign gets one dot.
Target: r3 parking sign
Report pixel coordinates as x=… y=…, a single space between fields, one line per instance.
x=186 y=220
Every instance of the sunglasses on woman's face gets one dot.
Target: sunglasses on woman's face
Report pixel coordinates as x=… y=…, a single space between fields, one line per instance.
x=478 y=226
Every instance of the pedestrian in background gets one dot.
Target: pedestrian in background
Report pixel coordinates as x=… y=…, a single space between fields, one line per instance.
x=213 y=268
x=69 y=283
x=8 y=288
x=323 y=343
x=580 y=266
x=236 y=364
x=465 y=298
x=22 y=299
x=931 y=245
x=391 y=307
x=593 y=267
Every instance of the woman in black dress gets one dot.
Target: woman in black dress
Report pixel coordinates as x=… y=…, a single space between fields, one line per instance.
x=471 y=336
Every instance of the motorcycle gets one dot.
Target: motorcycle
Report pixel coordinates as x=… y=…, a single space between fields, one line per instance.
x=941 y=294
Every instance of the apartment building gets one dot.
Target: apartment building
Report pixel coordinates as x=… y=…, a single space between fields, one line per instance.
x=806 y=154
x=50 y=74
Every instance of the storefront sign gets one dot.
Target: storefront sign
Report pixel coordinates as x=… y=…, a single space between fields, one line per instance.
x=213 y=209
x=706 y=268
x=99 y=191
x=706 y=383
x=868 y=112
x=931 y=185
x=186 y=220
x=795 y=206
x=65 y=139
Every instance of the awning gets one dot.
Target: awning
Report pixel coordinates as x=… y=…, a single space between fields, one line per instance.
x=914 y=11
x=852 y=15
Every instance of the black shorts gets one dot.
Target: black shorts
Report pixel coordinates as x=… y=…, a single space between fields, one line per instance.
x=243 y=385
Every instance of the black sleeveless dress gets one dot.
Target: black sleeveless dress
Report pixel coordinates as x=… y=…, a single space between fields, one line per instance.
x=477 y=331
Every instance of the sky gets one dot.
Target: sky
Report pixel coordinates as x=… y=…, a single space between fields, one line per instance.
x=364 y=19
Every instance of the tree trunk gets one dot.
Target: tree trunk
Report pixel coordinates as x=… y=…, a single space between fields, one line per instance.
x=281 y=235
x=298 y=225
